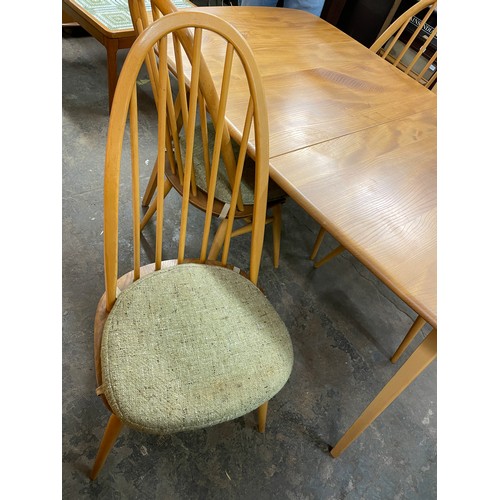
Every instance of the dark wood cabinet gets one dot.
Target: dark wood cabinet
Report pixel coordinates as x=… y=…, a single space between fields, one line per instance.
x=332 y=9
x=363 y=20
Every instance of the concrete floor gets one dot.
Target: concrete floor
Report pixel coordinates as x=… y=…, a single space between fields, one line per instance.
x=344 y=324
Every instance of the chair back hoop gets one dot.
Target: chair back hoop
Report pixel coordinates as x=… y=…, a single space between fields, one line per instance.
x=163 y=7
x=125 y=104
x=208 y=92
x=413 y=55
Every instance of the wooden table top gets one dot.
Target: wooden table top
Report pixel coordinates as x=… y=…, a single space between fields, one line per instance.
x=352 y=140
x=375 y=192
x=319 y=82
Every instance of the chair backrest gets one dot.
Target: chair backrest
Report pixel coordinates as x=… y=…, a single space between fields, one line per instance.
x=141 y=20
x=165 y=34
x=410 y=43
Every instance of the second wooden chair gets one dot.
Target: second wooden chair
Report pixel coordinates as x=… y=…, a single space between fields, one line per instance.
x=180 y=66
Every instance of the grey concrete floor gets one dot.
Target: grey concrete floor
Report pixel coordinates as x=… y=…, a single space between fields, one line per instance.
x=344 y=324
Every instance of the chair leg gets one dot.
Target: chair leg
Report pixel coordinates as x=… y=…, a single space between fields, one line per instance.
x=151 y=187
x=262 y=416
x=218 y=241
x=415 y=328
x=317 y=243
x=276 y=234
x=110 y=434
x=328 y=257
x=152 y=207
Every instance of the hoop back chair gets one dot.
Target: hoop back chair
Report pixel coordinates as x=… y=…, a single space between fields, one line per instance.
x=180 y=68
x=185 y=343
x=412 y=54
x=408 y=56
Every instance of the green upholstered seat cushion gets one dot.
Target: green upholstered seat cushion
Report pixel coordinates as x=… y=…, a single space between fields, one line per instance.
x=192 y=346
x=223 y=190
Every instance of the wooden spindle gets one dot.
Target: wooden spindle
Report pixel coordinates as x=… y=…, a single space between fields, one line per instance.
x=136 y=202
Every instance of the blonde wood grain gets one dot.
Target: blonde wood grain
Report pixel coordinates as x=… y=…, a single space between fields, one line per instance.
x=258 y=114
x=213 y=99
x=353 y=141
x=319 y=82
x=375 y=192
x=136 y=211
x=389 y=36
x=125 y=106
x=237 y=180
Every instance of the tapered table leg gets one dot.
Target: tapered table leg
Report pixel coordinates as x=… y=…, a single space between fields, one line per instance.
x=412 y=332
x=425 y=353
x=111 y=45
x=317 y=243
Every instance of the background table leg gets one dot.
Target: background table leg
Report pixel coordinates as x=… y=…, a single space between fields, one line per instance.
x=112 y=49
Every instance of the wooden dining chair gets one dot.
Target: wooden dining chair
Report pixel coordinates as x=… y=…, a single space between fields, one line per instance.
x=410 y=43
x=186 y=343
x=406 y=44
x=211 y=96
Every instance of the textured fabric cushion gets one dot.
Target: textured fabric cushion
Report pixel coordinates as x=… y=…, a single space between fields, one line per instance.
x=223 y=190
x=222 y=187
x=192 y=346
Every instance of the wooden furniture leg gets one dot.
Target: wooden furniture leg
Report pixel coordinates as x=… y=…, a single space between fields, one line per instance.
x=415 y=328
x=111 y=45
x=108 y=440
x=276 y=234
x=167 y=186
x=317 y=243
x=218 y=240
x=425 y=353
x=151 y=187
x=330 y=256
x=262 y=416
x=110 y=34
x=66 y=19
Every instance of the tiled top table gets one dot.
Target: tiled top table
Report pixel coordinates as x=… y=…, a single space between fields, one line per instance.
x=109 y=22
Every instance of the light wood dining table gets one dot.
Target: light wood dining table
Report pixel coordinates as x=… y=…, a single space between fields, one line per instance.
x=353 y=142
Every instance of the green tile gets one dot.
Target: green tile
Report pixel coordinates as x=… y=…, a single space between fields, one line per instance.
x=114 y=14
